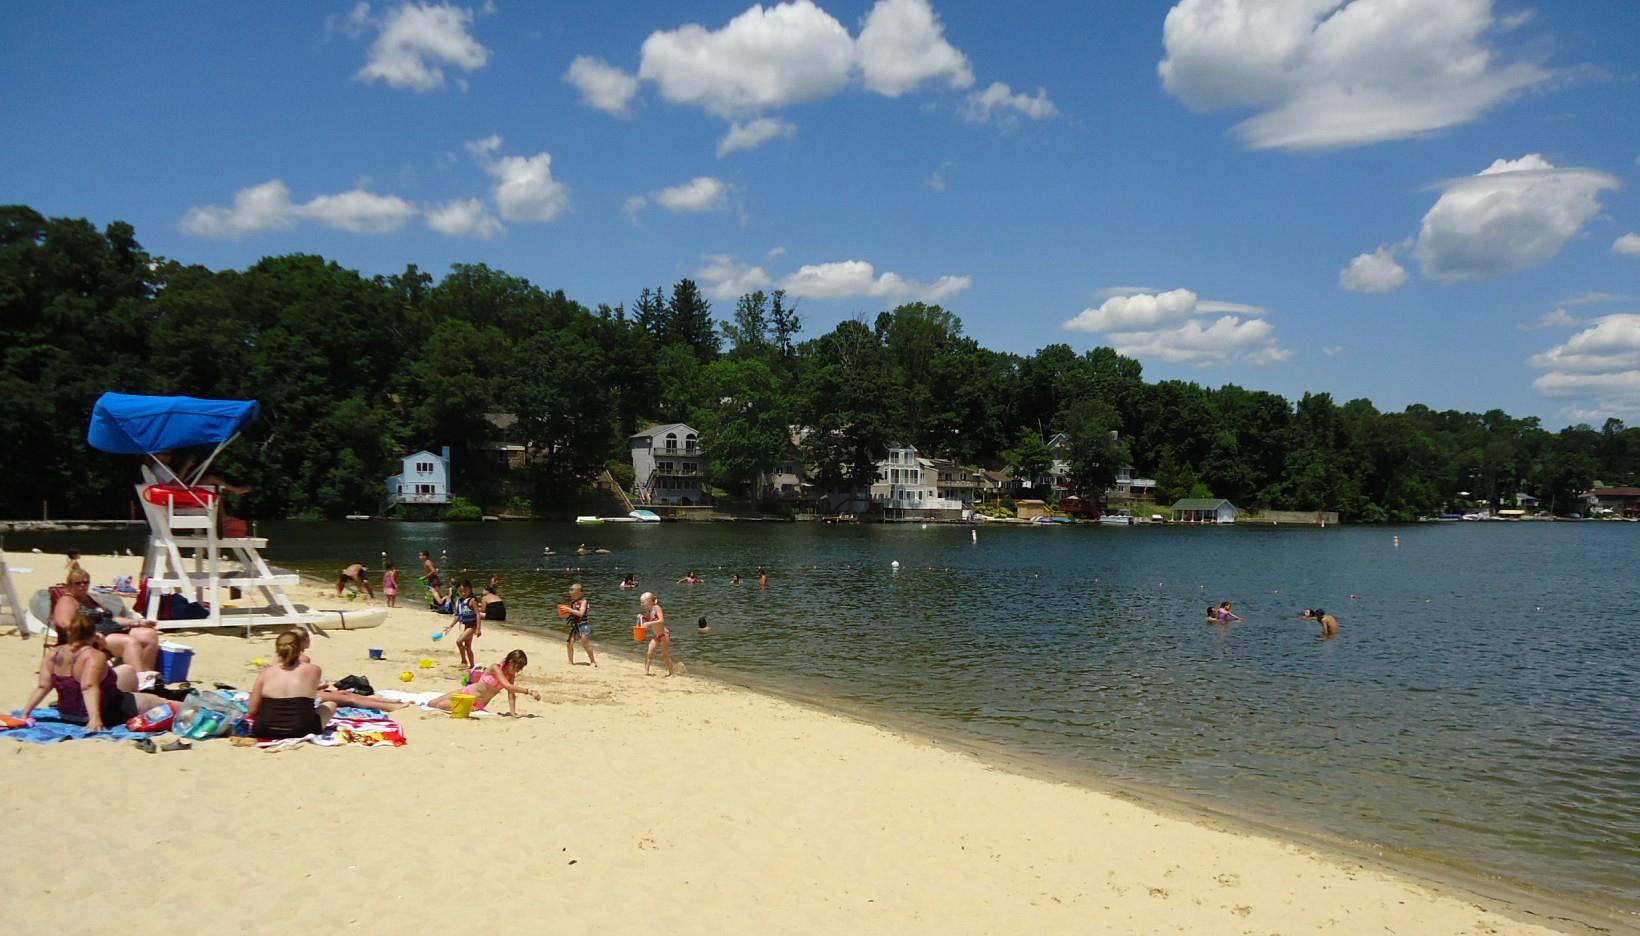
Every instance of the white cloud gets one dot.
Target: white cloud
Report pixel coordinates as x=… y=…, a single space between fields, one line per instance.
x=1235 y=308
x=1001 y=102
x=634 y=206
x=702 y=193
x=1227 y=340
x=267 y=207
x=1332 y=350
x=848 y=279
x=355 y=24
x=776 y=252
x=902 y=45
x=524 y=187
x=726 y=278
x=1513 y=214
x=414 y=43
x=1165 y=326
x=601 y=84
x=1559 y=318
x=465 y=217
x=754 y=133
x=1590 y=298
x=1135 y=312
x=1627 y=245
x=764 y=58
x=360 y=212
x=1598 y=369
x=1376 y=272
x=1337 y=73
x=1110 y=291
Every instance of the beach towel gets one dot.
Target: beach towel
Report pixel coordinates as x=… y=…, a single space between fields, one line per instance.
x=48 y=730
x=421 y=699
x=368 y=731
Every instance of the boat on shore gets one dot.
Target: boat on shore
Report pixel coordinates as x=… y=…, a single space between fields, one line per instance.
x=645 y=516
x=588 y=520
x=1116 y=519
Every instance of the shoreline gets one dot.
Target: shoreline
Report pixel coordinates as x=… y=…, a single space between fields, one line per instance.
x=756 y=807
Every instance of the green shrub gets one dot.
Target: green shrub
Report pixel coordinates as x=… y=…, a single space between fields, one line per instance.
x=307 y=514
x=463 y=509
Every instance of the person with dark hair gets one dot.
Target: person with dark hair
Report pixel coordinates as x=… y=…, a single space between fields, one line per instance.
x=464 y=608
x=491 y=607
x=285 y=698
x=88 y=691
x=1329 y=624
x=429 y=575
x=483 y=685
x=359 y=576
x=762 y=577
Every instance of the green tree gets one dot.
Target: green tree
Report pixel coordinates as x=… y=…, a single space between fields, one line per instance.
x=747 y=423
x=1030 y=458
x=1096 y=454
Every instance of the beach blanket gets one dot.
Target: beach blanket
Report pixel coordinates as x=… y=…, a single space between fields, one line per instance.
x=48 y=730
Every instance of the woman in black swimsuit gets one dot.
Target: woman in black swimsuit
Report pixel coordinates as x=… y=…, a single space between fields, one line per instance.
x=284 y=701
x=491 y=607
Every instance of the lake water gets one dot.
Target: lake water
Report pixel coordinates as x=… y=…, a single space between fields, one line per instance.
x=1481 y=707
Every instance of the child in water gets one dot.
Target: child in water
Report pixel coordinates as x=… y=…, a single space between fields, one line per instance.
x=654 y=619
x=1228 y=616
x=580 y=624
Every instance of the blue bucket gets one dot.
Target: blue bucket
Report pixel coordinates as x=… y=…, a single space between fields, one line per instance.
x=174 y=660
x=375 y=653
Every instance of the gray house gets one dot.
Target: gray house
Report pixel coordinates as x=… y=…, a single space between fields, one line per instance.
x=668 y=466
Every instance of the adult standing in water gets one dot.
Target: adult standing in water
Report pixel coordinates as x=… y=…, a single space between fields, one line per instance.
x=491 y=607
x=762 y=577
x=1329 y=624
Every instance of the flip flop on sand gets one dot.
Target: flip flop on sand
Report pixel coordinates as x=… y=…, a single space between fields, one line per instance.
x=177 y=745
x=146 y=745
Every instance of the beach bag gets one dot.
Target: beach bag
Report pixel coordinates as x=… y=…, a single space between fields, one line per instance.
x=355 y=684
x=207 y=715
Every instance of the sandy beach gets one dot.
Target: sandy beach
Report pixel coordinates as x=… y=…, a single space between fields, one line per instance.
x=627 y=804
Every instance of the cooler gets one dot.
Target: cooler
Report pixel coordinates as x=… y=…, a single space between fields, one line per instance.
x=174 y=659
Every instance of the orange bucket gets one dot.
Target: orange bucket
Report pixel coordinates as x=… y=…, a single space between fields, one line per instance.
x=563 y=610
x=639 y=632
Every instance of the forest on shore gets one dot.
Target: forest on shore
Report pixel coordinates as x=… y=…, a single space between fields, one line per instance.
x=354 y=372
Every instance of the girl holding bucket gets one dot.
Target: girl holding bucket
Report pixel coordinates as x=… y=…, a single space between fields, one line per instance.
x=492 y=680
x=653 y=620
x=472 y=623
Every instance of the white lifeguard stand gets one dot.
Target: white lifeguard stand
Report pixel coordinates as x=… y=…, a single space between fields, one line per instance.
x=183 y=514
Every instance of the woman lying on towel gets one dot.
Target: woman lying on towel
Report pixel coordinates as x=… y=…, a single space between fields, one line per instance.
x=284 y=700
x=132 y=639
x=484 y=684
x=89 y=690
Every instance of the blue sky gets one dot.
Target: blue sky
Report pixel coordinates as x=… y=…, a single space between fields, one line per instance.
x=1409 y=200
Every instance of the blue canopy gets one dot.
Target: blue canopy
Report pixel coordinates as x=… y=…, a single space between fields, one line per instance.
x=129 y=424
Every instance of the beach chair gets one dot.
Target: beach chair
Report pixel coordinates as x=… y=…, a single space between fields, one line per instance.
x=28 y=625
x=184 y=514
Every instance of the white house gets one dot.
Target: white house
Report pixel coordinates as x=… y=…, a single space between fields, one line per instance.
x=425 y=479
x=1204 y=510
x=668 y=466
x=906 y=482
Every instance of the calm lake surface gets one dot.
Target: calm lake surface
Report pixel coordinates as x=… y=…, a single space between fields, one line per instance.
x=1481 y=707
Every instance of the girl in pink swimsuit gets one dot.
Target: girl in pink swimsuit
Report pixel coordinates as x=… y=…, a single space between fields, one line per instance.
x=489 y=682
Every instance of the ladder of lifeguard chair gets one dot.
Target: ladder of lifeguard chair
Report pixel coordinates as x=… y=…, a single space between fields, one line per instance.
x=27 y=624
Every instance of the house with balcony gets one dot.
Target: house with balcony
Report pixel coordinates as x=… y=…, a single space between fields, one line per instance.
x=1130 y=489
x=668 y=466
x=424 y=479
x=907 y=488
x=955 y=482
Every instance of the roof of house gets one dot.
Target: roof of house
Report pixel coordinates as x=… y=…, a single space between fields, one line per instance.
x=501 y=420
x=1615 y=491
x=655 y=431
x=1202 y=503
x=998 y=475
x=421 y=453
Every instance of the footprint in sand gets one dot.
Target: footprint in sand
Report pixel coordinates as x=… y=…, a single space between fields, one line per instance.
x=1228 y=880
x=1241 y=911
x=1159 y=892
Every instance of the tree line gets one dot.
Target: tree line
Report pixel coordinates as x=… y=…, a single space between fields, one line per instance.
x=354 y=372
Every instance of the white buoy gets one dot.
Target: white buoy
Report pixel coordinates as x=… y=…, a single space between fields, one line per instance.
x=895 y=565
x=974 y=534
x=1397 y=542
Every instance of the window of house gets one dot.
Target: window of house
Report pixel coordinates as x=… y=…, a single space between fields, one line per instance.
x=424 y=467
x=671 y=441
x=690 y=441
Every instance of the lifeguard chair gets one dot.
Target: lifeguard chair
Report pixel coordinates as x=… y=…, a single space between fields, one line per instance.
x=184 y=513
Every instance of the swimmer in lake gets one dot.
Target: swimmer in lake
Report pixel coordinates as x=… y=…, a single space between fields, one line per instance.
x=1329 y=624
x=1228 y=616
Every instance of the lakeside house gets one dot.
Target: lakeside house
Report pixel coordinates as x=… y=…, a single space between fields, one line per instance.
x=424 y=478
x=907 y=487
x=668 y=466
x=506 y=447
x=1204 y=510
x=1620 y=501
x=1030 y=509
x=1130 y=488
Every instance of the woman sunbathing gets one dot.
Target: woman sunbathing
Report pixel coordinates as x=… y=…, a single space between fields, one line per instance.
x=491 y=680
x=88 y=691
x=284 y=700
x=132 y=639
